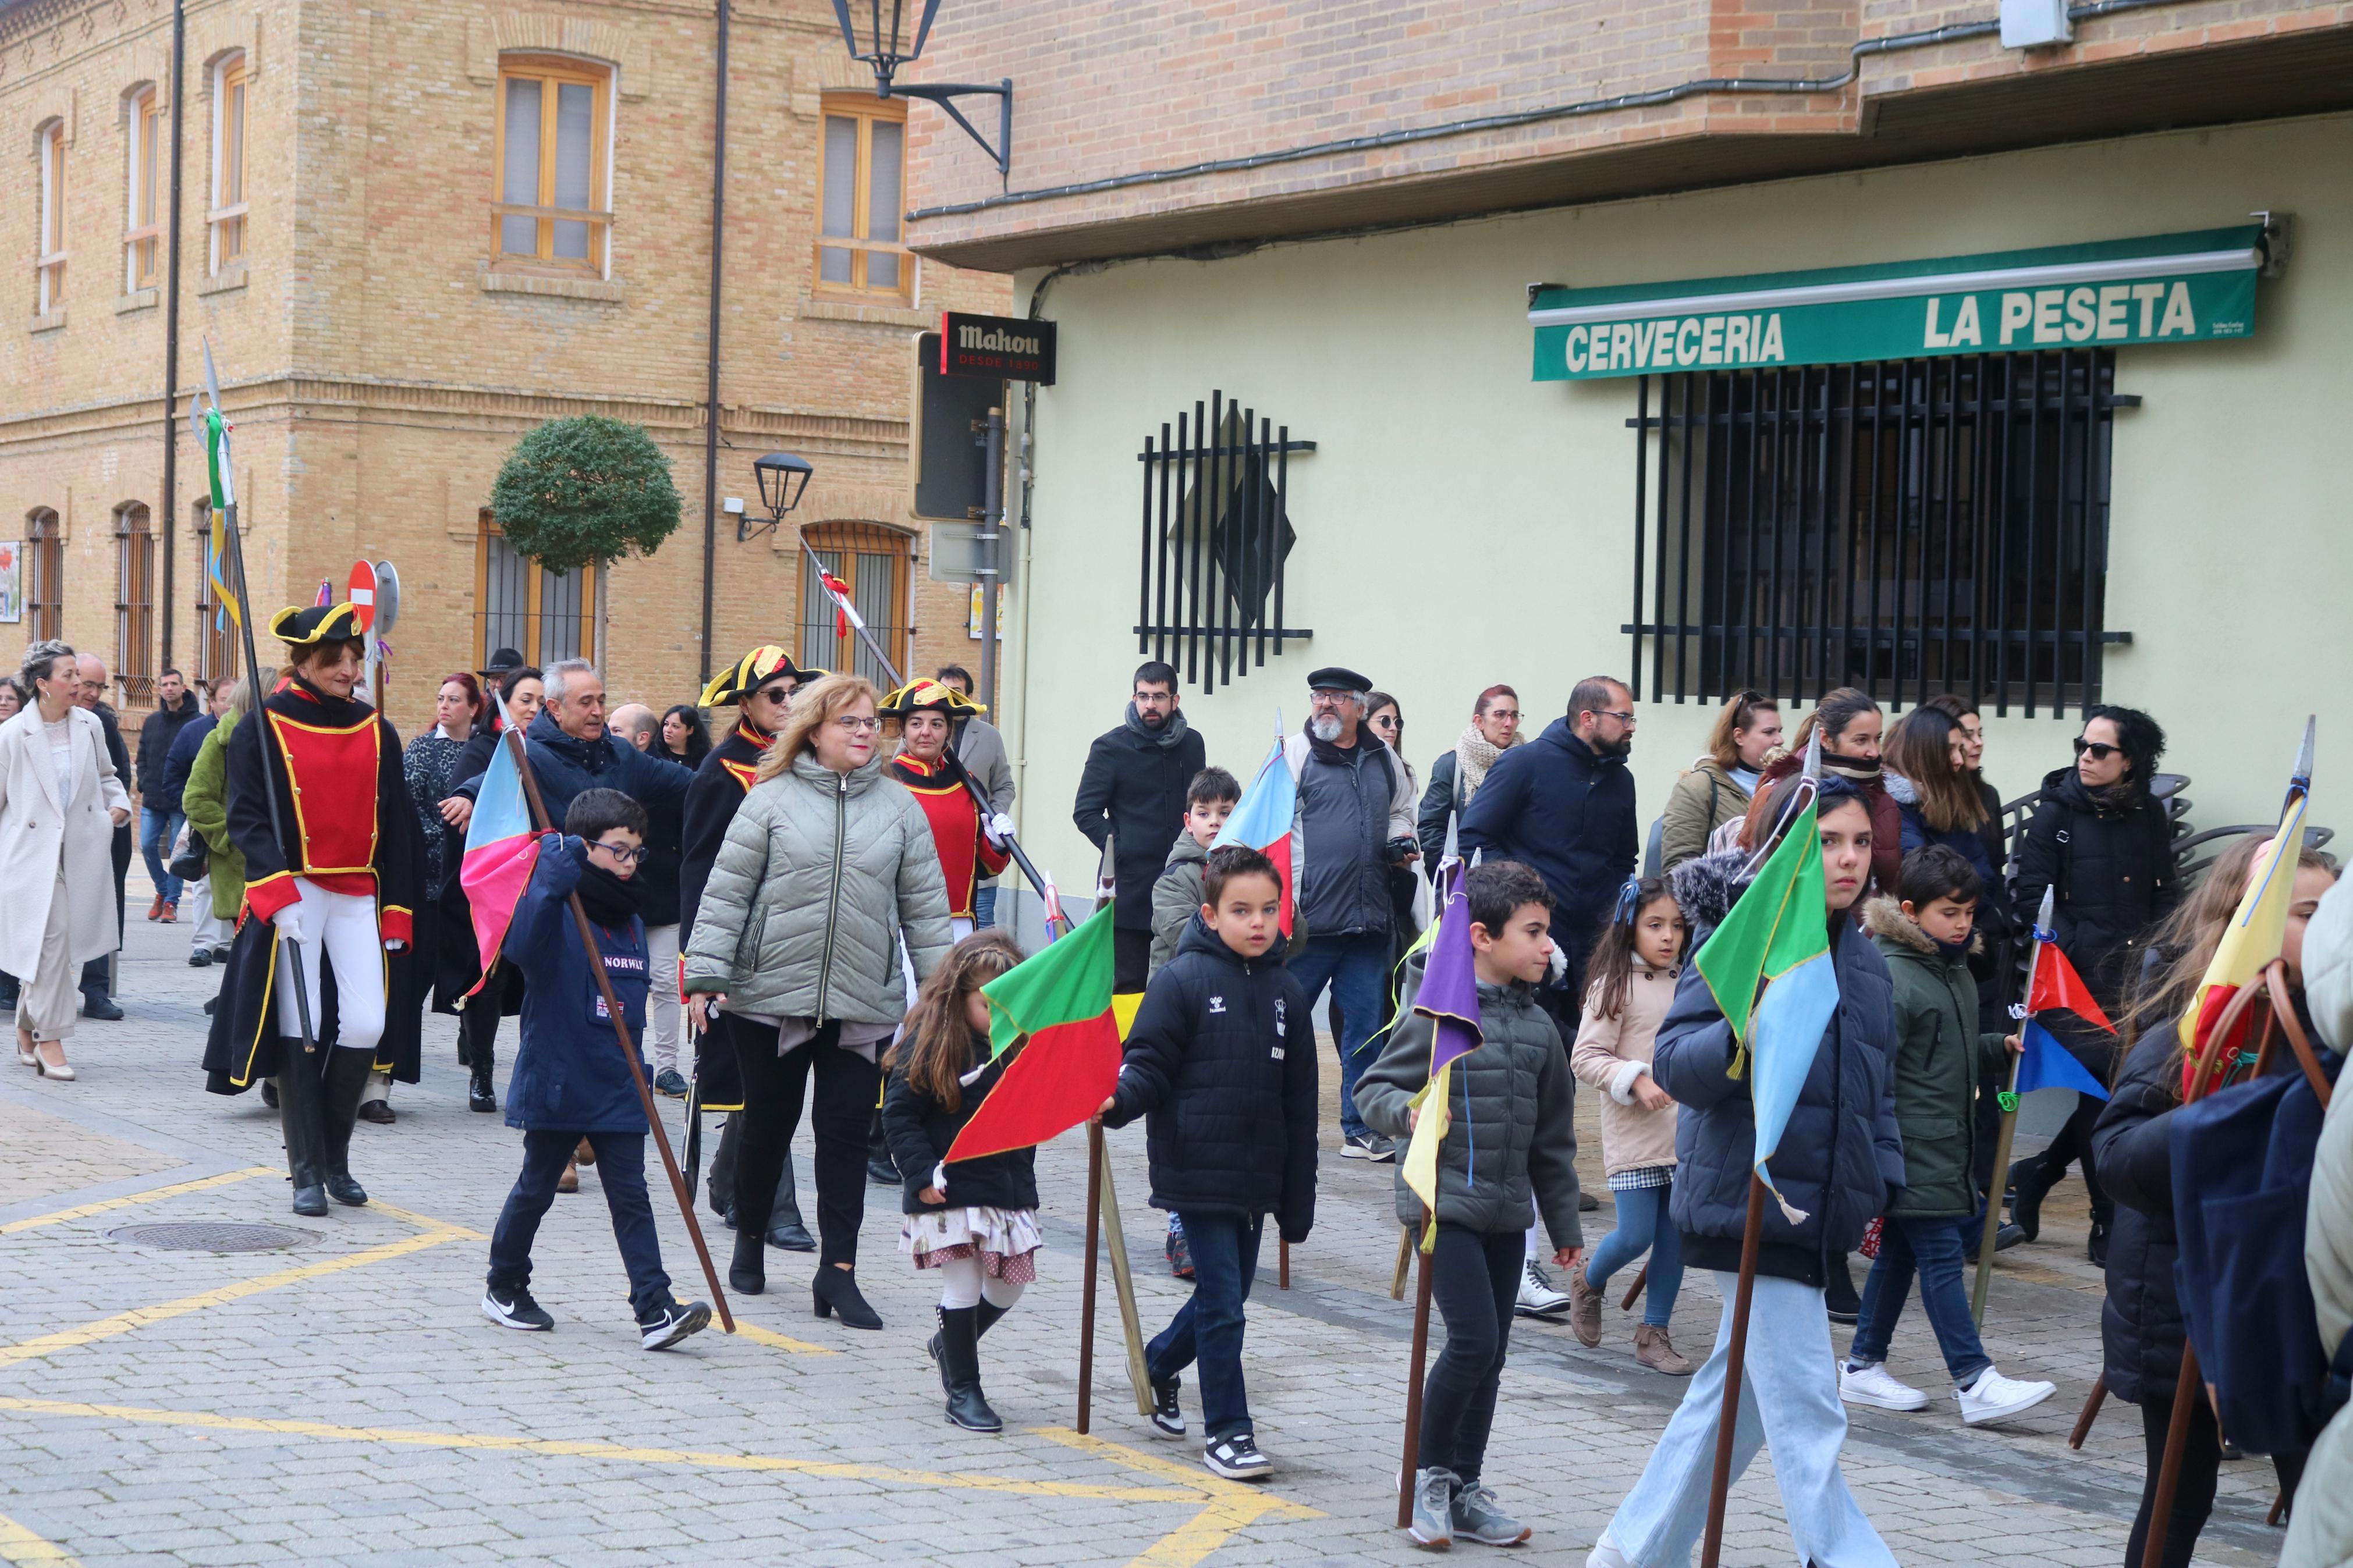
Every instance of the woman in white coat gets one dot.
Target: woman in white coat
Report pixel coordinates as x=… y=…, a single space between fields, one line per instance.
x=60 y=802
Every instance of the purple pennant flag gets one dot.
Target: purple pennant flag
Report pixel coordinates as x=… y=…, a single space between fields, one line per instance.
x=1449 y=996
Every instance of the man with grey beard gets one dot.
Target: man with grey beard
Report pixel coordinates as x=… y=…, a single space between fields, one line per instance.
x=1353 y=822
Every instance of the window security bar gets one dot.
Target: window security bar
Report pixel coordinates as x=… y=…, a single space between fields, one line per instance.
x=1907 y=527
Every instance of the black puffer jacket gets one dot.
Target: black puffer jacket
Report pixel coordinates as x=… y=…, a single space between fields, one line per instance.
x=2111 y=870
x=1221 y=1063
x=920 y=1129
x=1133 y=789
x=1840 y=1157
x=2140 y=1323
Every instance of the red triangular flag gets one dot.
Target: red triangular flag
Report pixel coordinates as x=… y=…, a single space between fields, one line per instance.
x=2056 y=984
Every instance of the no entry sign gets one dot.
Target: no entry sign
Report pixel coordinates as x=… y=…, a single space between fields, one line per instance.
x=360 y=594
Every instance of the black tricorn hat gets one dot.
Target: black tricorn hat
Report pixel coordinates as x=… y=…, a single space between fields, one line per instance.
x=1337 y=678
x=315 y=623
x=748 y=674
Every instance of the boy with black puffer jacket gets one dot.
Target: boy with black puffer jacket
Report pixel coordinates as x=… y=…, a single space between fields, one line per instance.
x=1510 y=1150
x=1229 y=1096
x=570 y=1081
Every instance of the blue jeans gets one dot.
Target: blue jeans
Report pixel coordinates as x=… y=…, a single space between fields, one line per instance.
x=1643 y=1226
x=1933 y=1247
x=1357 y=969
x=984 y=906
x=1208 y=1328
x=158 y=831
x=1790 y=1398
x=621 y=1171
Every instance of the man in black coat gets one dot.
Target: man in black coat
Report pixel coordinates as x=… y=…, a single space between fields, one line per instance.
x=97 y=975
x=1133 y=792
x=159 y=803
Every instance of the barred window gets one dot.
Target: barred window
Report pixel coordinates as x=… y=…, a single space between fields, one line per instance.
x=518 y=603
x=1907 y=527
x=217 y=636
x=134 y=602
x=875 y=564
x=45 y=575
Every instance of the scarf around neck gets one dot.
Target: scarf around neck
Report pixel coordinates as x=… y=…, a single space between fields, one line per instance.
x=1473 y=755
x=1167 y=735
x=610 y=900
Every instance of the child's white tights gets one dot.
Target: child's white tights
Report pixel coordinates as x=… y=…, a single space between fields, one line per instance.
x=964 y=1283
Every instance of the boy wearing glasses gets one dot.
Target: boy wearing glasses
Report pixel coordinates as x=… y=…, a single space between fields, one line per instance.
x=570 y=1082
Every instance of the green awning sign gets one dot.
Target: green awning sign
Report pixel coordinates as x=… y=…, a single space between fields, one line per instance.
x=2173 y=287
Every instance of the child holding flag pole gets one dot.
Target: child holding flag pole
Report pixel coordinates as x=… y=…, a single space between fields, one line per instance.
x=1475 y=1172
x=1803 y=1077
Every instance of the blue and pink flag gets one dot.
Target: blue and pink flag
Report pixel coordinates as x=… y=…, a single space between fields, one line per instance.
x=1262 y=821
x=501 y=848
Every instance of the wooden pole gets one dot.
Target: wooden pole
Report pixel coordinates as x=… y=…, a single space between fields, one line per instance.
x=1405 y=1251
x=1413 y=1393
x=1991 y=1230
x=513 y=741
x=1087 y=1279
x=1634 y=1292
x=1282 y=1268
x=1122 y=1282
x=1735 y=1369
x=2092 y=1402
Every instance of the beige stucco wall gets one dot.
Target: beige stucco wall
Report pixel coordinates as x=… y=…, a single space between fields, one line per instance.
x=1462 y=524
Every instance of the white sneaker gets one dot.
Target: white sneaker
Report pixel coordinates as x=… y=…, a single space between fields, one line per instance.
x=1994 y=1397
x=1872 y=1385
x=1604 y=1554
x=1537 y=1297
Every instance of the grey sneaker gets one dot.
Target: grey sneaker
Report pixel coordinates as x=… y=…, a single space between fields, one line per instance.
x=1367 y=1146
x=1476 y=1518
x=1433 y=1515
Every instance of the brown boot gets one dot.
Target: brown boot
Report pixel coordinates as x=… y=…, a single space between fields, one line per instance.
x=1655 y=1351
x=586 y=1154
x=570 y=1181
x=1584 y=1309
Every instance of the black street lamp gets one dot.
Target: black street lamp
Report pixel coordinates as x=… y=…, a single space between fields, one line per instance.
x=877 y=32
x=782 y=478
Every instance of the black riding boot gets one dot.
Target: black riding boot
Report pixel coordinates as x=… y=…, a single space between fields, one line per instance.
x=988 y=1313
x=722 y=1169
x=785 y=1226
x=347 y=1077
x=747 y=1272
x=960 y=1363
x=481 y=1094
x=302 y=1116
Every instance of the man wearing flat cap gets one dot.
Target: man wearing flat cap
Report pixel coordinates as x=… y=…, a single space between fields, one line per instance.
x=1353 y=822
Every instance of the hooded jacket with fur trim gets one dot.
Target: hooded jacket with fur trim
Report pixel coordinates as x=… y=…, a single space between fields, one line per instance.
x=1939 y=1053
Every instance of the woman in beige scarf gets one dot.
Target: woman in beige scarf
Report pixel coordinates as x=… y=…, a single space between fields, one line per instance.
x=1455 y=777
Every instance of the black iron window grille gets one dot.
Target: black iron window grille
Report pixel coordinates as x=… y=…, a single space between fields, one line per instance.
x=1216 y=534
x=1907 y=527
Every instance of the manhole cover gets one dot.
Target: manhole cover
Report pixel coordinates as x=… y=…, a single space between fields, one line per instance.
x=213 y=1237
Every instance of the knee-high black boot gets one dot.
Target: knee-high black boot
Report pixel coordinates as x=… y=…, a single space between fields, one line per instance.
x=722 y=1169
x=347 y=1075
x=785 y=1226
x=985 y=1318
x=302 y=1116
x=960 y=1365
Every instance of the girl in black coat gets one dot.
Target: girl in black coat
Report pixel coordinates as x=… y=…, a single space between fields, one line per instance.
x=2103 y=847
x=976 y=1223
x=2141 y=1331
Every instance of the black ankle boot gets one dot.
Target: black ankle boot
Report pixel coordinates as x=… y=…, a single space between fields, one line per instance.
x=960 y=1368
x=748 y=1272
x=986 y=1314
x=481 y=1094
x=300 y=1117
x=1838 y=1291
x=836 y=1290
x=347 y=1077
x=2030 y=1182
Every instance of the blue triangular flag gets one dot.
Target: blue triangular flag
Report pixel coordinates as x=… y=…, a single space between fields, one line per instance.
x=2047 y=1064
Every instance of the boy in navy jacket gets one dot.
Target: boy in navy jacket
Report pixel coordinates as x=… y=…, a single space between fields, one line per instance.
x=1227 y=1093
x=569 y=1082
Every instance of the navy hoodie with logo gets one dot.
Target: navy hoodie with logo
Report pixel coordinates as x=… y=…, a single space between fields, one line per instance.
x=570 y=1076
x=1221 y=1065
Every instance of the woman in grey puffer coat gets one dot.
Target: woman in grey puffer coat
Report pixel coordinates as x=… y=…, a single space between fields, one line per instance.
x=825 y=866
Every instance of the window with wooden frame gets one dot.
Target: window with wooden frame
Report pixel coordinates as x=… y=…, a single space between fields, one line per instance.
x=518 y=603
x=49 y=244
x=217 y=638
x=874 y=563
x=134 y=602
x=862 y=182
x=142 y=220
x=228 y=216
x=554 y=137
x=45 y=575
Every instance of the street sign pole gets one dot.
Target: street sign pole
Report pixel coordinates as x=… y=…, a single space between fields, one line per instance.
x=991 y=539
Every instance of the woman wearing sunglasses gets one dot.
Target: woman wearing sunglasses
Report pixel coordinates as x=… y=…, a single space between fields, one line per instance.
x=2103 y=846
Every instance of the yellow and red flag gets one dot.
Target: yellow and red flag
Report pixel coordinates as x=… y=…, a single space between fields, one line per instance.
x=2253 y=938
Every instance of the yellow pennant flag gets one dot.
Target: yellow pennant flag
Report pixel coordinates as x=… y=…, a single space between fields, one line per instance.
x=2253 y=938
x=1420 y=1166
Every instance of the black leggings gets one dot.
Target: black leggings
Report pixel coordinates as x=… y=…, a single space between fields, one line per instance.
x=2193 y=1493
x=1474 y=1278
x=2074 y=1142
x=773 y=1087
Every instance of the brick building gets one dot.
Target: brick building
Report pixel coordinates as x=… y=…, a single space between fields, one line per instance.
x=410 y=234
x=1719 y=343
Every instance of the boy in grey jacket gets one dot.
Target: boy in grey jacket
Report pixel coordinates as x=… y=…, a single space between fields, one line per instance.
x=1510 y=1150
x=1209 y=799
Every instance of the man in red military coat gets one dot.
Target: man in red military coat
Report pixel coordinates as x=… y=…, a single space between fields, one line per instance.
x=339 y=873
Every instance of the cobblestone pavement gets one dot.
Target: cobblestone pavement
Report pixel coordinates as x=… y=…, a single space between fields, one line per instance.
x=343 y=1401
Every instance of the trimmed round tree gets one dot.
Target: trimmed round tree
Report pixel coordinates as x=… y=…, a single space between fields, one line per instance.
x=588 y=490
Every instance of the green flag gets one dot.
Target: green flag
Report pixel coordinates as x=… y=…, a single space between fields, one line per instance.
x=1059 y=1001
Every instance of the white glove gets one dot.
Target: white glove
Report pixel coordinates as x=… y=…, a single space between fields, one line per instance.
x=999 y=829
x=289 y=920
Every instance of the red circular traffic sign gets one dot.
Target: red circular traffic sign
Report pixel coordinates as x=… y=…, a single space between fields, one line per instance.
x=360 y=594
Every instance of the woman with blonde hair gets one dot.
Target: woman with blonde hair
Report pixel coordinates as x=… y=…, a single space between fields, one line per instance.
x=1720 y=783
x=828 y=869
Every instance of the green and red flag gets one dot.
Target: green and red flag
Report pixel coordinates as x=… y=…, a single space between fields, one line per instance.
x=1058 y=1002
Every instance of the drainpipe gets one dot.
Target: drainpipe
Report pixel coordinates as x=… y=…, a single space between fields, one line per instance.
x=711 y=388
x=171 y=520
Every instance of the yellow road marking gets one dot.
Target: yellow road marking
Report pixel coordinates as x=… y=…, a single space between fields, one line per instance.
x=1228 y=1505
x=427 y=1222
x=18 y=1544
x=760 y=1336
x=140 y=1317
x=149 y=1196
x=1200 y=1535
x=569 y=1449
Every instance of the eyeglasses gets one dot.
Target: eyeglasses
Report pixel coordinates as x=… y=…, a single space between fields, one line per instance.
x=1389 y=722
x=856 y=726
x=2100 y=749
x=1612 y=713
x=1502 y=713
x=624 y=854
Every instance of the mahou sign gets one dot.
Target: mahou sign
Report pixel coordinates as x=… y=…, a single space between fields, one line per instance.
x=1001 y=347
